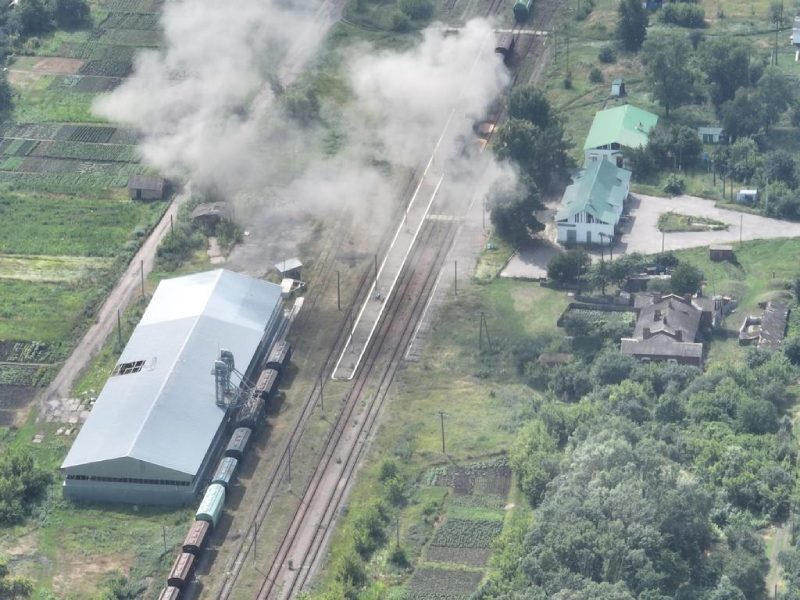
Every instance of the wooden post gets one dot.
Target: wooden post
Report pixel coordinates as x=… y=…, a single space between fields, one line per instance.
x=164 y=535
x=171 y=225
x=441 y=416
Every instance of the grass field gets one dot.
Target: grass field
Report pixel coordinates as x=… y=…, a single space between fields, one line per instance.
x=672 y=221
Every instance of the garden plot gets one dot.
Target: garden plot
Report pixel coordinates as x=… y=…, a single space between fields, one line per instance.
x=130 y=20
x=71 y=183
x=26 y=375
x=35 y=164
x=85 y=151
x=56 y=65
x=93 y=84
x=442 y=584
x=139 y=6
x=107 y=67
x=17 y=351
x=464 y=541
x=55 y=269
x=32 y=131
x=132 y=37
x=94 y=50
x=489 y=477
x=85 y=133
x=17 y=147
x=599 y=318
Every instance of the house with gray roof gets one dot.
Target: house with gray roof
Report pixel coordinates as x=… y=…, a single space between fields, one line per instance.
x=666 y=329
x=592 y=204
x=155 y=427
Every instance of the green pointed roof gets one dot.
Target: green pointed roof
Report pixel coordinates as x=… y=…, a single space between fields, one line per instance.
x=599 y=189
x=626 y=125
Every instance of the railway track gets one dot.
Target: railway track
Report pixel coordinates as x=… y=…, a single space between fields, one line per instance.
x=347 y=440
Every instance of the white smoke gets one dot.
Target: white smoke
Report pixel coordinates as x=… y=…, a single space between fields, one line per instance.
x=205 y=109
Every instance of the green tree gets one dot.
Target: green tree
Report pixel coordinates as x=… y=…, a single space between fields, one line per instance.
x=791 y=348
x=744 y=115
x=665 y=55
x=22 y=483
x=541 y=153
x=419 y=10
x=686 y=279
x=683 y=14
x=567 y=267
x=726 y=64
x=512 y=210
x=301 y=104
x=775 y=94
x=534 y=459
x=31 y=17
x=529 y=103
x=72 y=14
x=6 y=101
x=632 y=24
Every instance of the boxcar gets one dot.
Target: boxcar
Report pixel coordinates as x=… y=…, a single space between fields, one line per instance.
x=505 y=46
x=196 y=538
x=250 y=412
x=211 y=507
x=522 y=10
x=279 y=356
x=170 y=593
x=181 y=570
x=225 y=470
x=267 y=383
x=238 y=443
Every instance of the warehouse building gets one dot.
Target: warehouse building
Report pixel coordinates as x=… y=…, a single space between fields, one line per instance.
x=156 y=425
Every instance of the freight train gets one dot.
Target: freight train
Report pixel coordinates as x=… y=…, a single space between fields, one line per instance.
x=522 y=10
x=247 y=418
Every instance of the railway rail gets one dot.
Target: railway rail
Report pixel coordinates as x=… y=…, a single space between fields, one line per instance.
x=345 y=444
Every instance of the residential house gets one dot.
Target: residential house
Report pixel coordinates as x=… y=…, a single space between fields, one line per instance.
x=146 y=187
x=768 y=330
x=592 y=204
x=615 y=129
x=712 y=135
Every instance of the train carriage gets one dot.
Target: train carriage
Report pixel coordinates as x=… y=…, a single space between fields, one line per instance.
x=267 y=383
x=279 y=356
x=196 y=538
x=170 y=593
x=522 y=10
x=181 y=570
x=250 y=412
x=211 y=507
x=238 y=442
x=225 y=471
x=505 y=46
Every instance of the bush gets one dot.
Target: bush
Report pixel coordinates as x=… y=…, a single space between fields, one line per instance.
x=388 y=470
x=22 y=483
x=791 y=348
x=674 y=185
x=568 y=266
x=400 y=22
x=568 y=80
x=607 y=54
x=683 y=14
x=686 y=279
x=419 y=10
x=398 y=557
x=596 y=75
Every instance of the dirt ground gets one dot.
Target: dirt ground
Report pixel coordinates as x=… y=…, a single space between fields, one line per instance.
x=53 y=65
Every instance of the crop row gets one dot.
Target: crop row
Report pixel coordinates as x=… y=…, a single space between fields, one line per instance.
x=62 y=182
x=135 y=6
x=442 y=584
x=33 y=131
x=463 y=533
x=471 y=557
x=95 y=50
x=17 y=147
x=130 y=20
x=486 y=477
x=137 y=38
x=107 y=67
x=601 y=316
x=92 y=84
x=26 y=375
x=32 y=351
x=82 y=151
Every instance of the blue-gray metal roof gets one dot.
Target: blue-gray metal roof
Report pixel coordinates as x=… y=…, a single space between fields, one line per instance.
x=166 y=415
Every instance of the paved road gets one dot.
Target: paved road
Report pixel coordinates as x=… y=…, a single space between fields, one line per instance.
x=641 y=234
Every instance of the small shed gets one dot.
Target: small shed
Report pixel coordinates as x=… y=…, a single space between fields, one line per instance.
x=146 y=187
x=211 y=213
x=618 y=88
x=289 y=268
x=712 y=135
x=721 y=252
x=747 y=196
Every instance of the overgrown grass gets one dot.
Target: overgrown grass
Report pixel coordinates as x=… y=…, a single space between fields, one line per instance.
x=39 y=103
x=672 y=221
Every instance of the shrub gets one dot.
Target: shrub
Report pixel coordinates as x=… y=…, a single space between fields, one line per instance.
x=398 y=557
x=22 y=483
x=400 y=22
x=674 y=185
x=791 y=348
x=388 y=470
x=683 y=14
x=596 y=75
x=607 y=54
x=568 y=80
x=568 y=266
x=686 y=279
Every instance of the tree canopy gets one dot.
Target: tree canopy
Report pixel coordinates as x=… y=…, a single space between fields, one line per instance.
x=632 y=24
x=665 y=55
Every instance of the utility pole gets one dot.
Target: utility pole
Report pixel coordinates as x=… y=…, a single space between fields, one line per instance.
x=164 y=535
x=338 y=293
x=171 y=226
x=441 y=417
x=481 y=327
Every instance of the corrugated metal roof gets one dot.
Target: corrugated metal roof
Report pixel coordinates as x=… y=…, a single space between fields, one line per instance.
x=626 y=125
x=600 y=189
x=166 y=414
x=146 y=182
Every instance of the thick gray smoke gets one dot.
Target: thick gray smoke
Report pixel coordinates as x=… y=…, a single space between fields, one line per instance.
x=206 y=112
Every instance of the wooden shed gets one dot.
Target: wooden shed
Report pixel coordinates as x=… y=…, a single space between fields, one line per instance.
x=146 y=187
x=211 y=213
x=618 y=88
x=720 y=253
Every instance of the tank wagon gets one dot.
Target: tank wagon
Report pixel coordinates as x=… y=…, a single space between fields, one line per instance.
x=196 y=538
x=279 y=356
x=170 y=593
x=181 y=570
x=522 y=10
x=210 y=509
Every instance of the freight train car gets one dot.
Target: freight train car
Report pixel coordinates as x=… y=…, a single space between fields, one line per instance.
x=170 y=593
x=211 y=507
x=505 y=46
x=238 y=443
x=250 y=412
x=196 y=538
x=279 y=356
x=181 y=570
x=225 y=471
x=522 y=10
x=267 y=384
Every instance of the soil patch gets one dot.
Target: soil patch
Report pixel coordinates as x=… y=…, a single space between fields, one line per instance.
x=78 y=572
x=58 y=66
